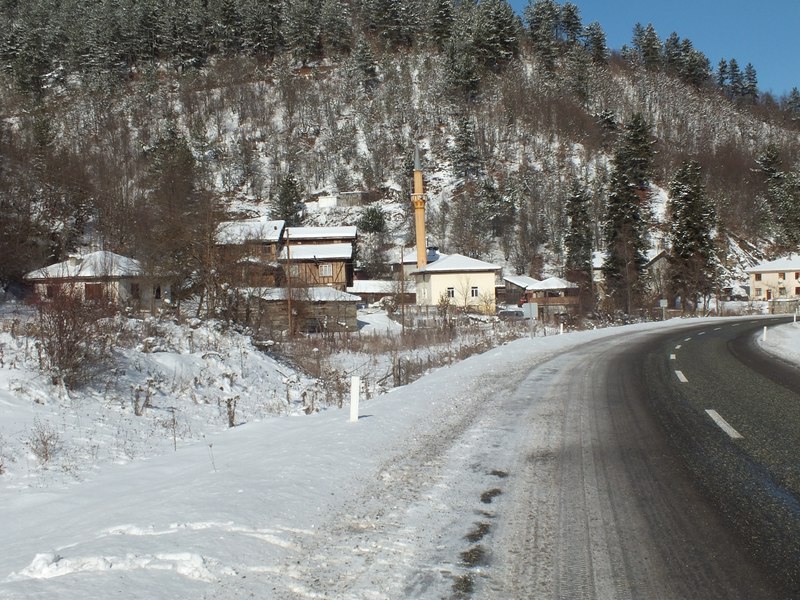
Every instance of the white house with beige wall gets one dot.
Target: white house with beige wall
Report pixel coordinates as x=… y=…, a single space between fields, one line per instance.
x=776 y=279
x=465 y=282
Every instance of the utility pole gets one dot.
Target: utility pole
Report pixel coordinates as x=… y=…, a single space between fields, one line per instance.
x=289 y=283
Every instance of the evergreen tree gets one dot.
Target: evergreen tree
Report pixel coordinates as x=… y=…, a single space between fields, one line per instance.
x=365 y=66
x=735 y=78
x=466 y=158
x=570 y=25
x=693 y=265
x=286 y=204
x=494 y=36
x=635 y=154
x=262 y=22
x=542 y=18
x=624 y=235
x=673 y=53
x=695 y=68
x=578 y=241
x=303 y=31
x=723 y=74
x=750 y=84
x=624 y=231
x=337 y=28
x=596 y=43
x=782 y=201
x=441 y=18
x=792 y=104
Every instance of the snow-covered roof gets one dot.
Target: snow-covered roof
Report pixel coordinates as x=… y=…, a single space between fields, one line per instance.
x=314 y=294
x=522 y=281
x=381 y=286
x=239 y=232
x=319 y=252
x=553 y=283
x=410 y=255
x=787 y=263
x=91 y=266
x=457 y=262
x=343 y=232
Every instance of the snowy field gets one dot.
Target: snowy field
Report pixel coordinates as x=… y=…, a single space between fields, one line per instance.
x=125 y=509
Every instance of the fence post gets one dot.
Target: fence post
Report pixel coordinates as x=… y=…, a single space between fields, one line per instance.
x=355 y=388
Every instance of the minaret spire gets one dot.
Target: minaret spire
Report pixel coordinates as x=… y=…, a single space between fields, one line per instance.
x=418 y=202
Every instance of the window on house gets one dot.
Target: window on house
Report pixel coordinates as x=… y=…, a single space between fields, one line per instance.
x=294 y=270
x=758 y=276
x=451 y=292
x=136 y=292
x=797 y=291
x=51 y=291
x=326 y=270
x=797 y=274
x=93 y=291
x=473 y=292
x=758 y=292
x=157 y=292
x=782 y=292
x=781 y=275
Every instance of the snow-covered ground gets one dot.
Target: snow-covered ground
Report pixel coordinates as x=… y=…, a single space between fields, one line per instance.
x=226 y=513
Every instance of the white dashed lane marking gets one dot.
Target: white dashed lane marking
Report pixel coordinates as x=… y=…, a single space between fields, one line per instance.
x=724 y=425
x=672 y=357
x=678 y=347
x=681 y=377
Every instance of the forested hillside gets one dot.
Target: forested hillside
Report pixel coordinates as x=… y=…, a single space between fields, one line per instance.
x=136 y=125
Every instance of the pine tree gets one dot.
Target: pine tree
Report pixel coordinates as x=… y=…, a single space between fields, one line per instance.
x=624 y=231
x=578 y=241
x=286 y=204
x=494 y=36
x=596 y=43
x=365 y=66
x=735 y=79
x=337 y=28
x=441 y=18
x=750 y=84
x=466 y=158
x=693 y=265
x=625 y=241
x=635 y=154
x=792 y=104
x=570 y=24
x=302 y=30
x=723 y=74
x=542 y=17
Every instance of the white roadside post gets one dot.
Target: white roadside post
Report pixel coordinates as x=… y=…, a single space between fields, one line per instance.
x=355 y=388
x=764 y=339
x=560 y=329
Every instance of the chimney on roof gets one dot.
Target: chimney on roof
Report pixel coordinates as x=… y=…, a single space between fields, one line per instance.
x=418 y=202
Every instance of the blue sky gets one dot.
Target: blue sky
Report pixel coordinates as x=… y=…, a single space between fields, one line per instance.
x=763 y=33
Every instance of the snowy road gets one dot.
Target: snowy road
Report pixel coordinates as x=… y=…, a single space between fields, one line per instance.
x=531 y=471
x=550 y=480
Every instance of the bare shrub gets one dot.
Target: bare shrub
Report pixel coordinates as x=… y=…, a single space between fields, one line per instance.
x=44 y=442
x=72 y=337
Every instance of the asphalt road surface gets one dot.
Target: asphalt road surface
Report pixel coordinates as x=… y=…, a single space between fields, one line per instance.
x=596 y=474
x=637 y=492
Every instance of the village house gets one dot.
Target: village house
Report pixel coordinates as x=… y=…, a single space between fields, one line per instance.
x=373 y=290
x=312 y=310
x=465 y=282
x=248 y=251
x=315 y=256
x=101 y=277
x=775 y=280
